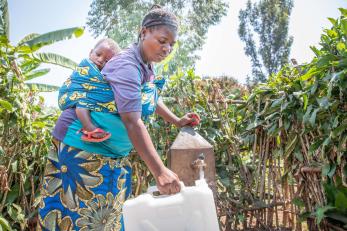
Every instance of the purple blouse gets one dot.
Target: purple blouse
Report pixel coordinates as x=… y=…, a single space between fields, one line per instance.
x=125 y=73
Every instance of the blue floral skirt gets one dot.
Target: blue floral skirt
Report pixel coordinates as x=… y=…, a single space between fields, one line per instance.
x=83 y=191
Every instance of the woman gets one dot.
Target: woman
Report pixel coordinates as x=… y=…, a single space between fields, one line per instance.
x=86 y=184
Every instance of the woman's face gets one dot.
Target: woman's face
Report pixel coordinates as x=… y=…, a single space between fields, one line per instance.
x=157 y=43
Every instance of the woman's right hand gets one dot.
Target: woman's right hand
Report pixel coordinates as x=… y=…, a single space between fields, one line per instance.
x=168 y=182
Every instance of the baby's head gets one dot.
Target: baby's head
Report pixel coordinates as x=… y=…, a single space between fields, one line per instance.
x=103 y=51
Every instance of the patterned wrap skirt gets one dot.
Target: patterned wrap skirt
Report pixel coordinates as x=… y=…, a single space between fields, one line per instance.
x=83 y=191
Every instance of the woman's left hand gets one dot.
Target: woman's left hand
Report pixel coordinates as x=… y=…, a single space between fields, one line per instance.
x=190 y=119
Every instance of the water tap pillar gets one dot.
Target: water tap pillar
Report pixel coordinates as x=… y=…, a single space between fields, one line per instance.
x=190 y=153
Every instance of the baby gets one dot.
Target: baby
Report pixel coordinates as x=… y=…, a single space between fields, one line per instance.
x=87 y=90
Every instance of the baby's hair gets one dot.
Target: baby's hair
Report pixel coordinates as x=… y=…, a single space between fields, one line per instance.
x=110 y=42
x=158 y=16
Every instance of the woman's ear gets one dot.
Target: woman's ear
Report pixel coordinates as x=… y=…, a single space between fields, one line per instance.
x=143 y=33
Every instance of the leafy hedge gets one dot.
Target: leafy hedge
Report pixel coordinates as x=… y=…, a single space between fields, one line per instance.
x=304 y=109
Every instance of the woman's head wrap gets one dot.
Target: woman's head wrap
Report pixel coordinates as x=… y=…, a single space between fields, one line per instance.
x=157 y=16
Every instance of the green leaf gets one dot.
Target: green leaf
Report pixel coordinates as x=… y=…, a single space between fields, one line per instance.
x=342 y=63
x=332 y=33
x=337 y=131
x=344 y=25
x=336 y=122
x=323 y=102
x=309 y=74
x=298 y=202
x=299 y=156
x=291 y=145
x=313 y=117
x=305 y=100
x=330 y=192
x=55 y=59
x=343 y=11
x=6 y=105
x=4 y=19
x=39 y=124
x=327 y=141
x=27 y=38
x=341 y=201
x=341 y=46
x=253 y=125
x=321 y=211
x=13 y=194
x=342 y=146
x=315 y=51
x=315 y=146
x=314 y=87
x=225 y=181
x=241 y=217
x=42 y=87
x=4 y=224
x=307 y=114
x=16 y=213
x=333 y=21
x=334 y=78
x=325 y=169
x=36 y=73
x=79 y=32
x=54 y=36
x=332 y=170
x=337 y=216
x=326 y=60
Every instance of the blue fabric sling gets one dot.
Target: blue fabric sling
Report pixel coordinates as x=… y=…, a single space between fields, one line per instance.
x=87 y=88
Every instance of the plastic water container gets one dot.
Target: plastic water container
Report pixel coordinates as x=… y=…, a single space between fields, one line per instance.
x=192 y=209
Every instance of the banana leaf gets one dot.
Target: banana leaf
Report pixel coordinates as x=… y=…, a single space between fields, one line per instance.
x=36 y=73
x=42 y=87
x=55 y=59
x=54 y=36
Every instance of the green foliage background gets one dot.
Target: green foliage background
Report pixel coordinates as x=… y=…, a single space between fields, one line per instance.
x=264 y=30
x=121 y=20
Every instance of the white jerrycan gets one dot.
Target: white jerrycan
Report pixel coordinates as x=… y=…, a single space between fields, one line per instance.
x=192 y=209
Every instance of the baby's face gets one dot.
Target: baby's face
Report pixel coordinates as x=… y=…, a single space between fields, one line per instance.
x=101 y=55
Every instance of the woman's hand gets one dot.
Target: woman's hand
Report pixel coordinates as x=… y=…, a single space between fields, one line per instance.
x=168 y=182
x=190 y=119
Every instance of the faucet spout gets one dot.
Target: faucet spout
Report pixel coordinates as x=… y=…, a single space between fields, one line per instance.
x=200 y=164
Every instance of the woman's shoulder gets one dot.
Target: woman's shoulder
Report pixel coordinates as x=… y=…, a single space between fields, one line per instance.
x=128 y=55
x=126 y=60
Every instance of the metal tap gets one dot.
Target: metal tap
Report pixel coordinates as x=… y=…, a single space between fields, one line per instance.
x=200 y=164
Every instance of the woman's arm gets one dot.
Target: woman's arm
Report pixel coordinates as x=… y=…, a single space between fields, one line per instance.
x=167 y=181
x=164 y=112
x=123 y=76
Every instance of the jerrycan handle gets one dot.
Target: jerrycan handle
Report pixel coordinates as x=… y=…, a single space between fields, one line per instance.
x=155 y=192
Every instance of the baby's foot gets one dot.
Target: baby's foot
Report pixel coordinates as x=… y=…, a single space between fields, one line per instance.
x=95 y=135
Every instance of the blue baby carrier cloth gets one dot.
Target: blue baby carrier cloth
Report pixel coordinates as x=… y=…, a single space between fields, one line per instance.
x=87 y=88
